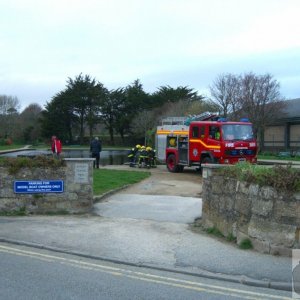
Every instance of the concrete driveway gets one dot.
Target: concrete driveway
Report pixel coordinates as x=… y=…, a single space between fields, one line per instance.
x=164 y=197
x=148 y=207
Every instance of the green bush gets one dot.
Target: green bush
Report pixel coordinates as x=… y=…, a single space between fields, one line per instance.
x=214 y=231
x=231 y=238
x=17 y=212
x=284 y=178
x=14 y=164
x=245 y=244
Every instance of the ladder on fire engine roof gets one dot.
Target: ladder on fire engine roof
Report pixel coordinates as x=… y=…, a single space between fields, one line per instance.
x=187 y=120
x=201 y=117
x=173 y=121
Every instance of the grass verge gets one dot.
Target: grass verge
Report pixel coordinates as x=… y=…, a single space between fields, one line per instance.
x=278 y=157
x=107 y=180
x=11 y=147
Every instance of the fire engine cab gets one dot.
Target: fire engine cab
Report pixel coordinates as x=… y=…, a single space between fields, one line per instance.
x=209 y=139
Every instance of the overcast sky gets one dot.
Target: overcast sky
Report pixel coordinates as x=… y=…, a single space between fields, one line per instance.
x=161 y=42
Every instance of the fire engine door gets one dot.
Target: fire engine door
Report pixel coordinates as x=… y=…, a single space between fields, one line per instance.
x=197 y=137
x=213 y=140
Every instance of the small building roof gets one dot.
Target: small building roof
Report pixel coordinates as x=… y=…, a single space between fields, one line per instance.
x=291 y=111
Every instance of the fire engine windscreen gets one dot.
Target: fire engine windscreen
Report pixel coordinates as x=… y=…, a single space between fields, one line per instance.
x=237 y=132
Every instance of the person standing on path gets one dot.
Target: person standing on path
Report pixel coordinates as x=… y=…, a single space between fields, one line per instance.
x=95 y=149
x=56 y=146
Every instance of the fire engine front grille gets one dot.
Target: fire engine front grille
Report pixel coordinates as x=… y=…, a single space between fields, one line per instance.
x=240 y=152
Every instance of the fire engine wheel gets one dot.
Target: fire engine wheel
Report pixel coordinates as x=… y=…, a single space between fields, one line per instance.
x=180 y=168
x=206 y=160
x=171 y=163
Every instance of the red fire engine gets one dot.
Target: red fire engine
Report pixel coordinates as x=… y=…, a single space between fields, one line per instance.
x=211 y=140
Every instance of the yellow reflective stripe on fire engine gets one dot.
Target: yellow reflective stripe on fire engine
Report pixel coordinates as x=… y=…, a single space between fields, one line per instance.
x=163 y=131
x=180 y=132
x=170 y=131
x=205 y=145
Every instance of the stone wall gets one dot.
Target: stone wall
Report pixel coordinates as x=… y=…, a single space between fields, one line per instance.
x=269 y=218
x=77 y=195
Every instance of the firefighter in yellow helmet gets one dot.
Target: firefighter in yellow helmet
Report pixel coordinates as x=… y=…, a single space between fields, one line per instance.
x=152 y=157
x=133 y=155
x=143 y=158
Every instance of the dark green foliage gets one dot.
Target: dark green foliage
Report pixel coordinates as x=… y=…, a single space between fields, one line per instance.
x=86 y=103
x=87 y=95
x=15 y=164
x=135 y=103
x=58 y=118
x=231 y=238
x=113 y=111
x=73 y=108
x=282 y=178
x=17 y=212
x=245 y=244
x=169 y=94
x=29 y=121
x=56 y=213
x=214 y=231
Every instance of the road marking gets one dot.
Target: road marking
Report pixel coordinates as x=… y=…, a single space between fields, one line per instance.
x=92 y=268
x=27 y=255
x=180 y=283
x=199 y=289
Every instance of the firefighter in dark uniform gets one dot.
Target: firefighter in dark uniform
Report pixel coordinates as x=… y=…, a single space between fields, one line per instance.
x=133 y=153
x=143 y=157
x=152 y=157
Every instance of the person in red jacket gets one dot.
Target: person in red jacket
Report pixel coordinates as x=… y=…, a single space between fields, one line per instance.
x=56 y=146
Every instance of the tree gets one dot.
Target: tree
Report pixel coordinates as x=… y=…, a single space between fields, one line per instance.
x=87 y=96
x=29 y=122
x=136 y=102
x=74 y=108
x=143 y=124
x=58 y=118
x=93 y=115
x=196 y=108
x=181 y=93
x=9 y=107
x=7 y=103
x=225 y=92
x=111 y=110
x=260 y=100
x=174 y=102
x=254 y=96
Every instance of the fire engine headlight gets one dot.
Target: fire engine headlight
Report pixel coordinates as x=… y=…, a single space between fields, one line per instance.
x=226 y=161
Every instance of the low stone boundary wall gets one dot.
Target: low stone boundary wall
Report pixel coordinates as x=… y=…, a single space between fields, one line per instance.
x=269 y=218
x=76 y=197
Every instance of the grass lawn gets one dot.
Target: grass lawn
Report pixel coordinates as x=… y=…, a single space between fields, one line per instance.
x=276 y=157
x=107 y=180
x=12 y=146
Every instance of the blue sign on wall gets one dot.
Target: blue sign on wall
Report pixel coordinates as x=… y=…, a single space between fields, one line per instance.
x=38 y=186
